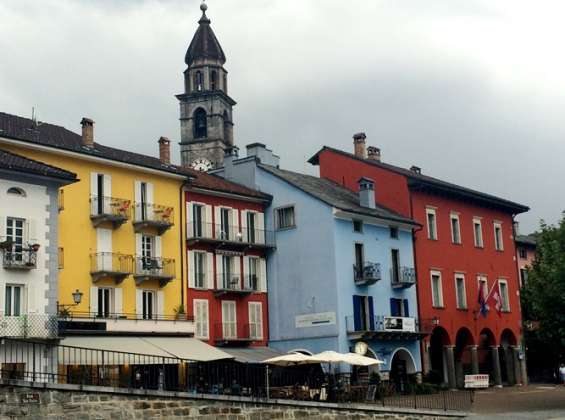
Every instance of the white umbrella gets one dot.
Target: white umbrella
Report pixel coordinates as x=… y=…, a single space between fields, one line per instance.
x=291 y=359
x=349 y=358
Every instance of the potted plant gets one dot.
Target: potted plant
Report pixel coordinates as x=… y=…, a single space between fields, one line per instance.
x=180 y=313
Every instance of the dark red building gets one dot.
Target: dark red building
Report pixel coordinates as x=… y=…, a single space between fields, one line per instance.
x=466 y=245
x=226 y=246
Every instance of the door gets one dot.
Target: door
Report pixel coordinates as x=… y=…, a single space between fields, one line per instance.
x=225 y=223
x=197 y=220
x=251 y=218
x=15 y=234
x=147 y=252
x=398 y=374
x=229 y=325
x=104 y=302
x=148 y=304
x=143 y=192
x=359 y=260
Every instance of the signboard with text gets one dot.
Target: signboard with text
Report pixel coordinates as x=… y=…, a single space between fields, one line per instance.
x=476 y=381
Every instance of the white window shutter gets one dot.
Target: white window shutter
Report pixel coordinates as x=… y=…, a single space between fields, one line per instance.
x=210 y=270
x=260 y=235
x=118 y=301
x=263 y=275
x=31 y=234
x=137 y=204
x=93 y=193
x=150 y=200
x=245 y=273
x=191 y=281
x=217 y=221
x=189 y=229
x=2 y=299
x=139 y=302
x=107 y=188
x=138 y=245
x=234 y=213
x=158 y=249
x=244 y=225
x=205 y=320
x=2 y=236
x=160 y=302
x=104 y=248
x=218 y=271
x=94 y=300
x=208 y=221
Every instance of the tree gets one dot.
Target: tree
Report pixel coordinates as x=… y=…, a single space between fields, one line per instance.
x=543 y=297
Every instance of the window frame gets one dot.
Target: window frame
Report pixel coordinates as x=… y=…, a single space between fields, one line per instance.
x=359 y=223
x=204 y=256
x=441 y=304
x=195 y=305
x=431 y=211
x=478 y=241
x=110 y=310
x=455 y=217
x=278 y=219
x=505 y=302
x=149 y=304
x=497 y=227
x=456 y=277
x=522 y=253
x=394 y=232
x=483 y=280
x=10 y=302
x=258 y=325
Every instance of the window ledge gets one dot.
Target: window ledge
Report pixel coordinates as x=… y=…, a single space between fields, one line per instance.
x=286 y=228
x=438 y=307
x=463 y=309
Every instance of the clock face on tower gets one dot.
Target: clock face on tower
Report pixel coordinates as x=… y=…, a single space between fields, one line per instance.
x=201 y=164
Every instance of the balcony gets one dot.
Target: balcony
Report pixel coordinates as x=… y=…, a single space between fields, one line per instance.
x=17 y=258
x=216 y=234
x=153 y=216
x=109 y=210
x=81 y=322
x=402 y=277
x=386 y=327
x=154 y=268
x=367 y=274
x=40 y=326
x=110 y=265
x=231 y=283
x=231 y=333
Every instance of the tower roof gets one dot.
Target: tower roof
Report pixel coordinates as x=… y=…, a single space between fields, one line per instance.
x=204 y=44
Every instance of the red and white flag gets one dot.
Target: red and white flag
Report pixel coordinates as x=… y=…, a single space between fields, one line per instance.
x=497 y=301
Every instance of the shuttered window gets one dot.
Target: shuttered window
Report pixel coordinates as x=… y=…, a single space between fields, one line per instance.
x=201 y=319
x=255 y=320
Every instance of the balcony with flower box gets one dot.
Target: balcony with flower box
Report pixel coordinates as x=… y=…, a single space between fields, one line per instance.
x=229 y=237
x=109 y=210
x=18 y=257
x=152 y=216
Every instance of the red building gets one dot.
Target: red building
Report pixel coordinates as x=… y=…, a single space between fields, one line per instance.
x=466 y=245
x=226 y=246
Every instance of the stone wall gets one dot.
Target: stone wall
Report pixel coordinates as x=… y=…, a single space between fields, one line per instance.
x=84 y=403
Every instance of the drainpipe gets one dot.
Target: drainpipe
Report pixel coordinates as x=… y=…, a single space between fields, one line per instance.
x=523 y=367
x=182 y=209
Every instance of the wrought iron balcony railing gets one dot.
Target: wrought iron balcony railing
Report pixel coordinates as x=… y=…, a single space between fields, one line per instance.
x=248 y=237
x=231 y=283
x=110 y=265
x=403 y=277
x=154 y=268
x=29 y=326
x=366 y=274
x=112 y=210
x=231 y=332
x=19 y=258
x=155 y=216
x=385 y=324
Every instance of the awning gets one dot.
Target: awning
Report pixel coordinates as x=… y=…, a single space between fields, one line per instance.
x=187 y=348
x=252 y=354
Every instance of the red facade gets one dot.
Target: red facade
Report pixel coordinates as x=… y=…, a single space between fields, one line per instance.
x=221 y=287
x=462 y=327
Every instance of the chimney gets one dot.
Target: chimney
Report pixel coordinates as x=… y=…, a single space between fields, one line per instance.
x=87 y=132
x=359 y=145
x=416 y=169
x=366 y=192
x=230 y=154
x=374 y=153
x=164 y=150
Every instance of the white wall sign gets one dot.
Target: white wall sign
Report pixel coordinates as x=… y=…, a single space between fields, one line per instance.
x=476 y=381
x=315 y=320
x=397 y=323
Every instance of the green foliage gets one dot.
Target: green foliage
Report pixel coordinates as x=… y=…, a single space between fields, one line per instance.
x=543 y=297
x=179 y=311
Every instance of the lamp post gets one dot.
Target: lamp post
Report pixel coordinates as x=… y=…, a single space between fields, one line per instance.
x=77 y=298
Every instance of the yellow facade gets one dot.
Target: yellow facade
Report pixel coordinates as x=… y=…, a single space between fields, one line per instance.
x=78 y=236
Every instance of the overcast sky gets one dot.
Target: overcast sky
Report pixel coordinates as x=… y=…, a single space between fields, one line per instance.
x=471 y=91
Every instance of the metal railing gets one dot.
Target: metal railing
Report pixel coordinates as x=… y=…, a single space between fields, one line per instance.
x=19 y=259
x=154 y=267
x=110 y=207
x=226 y=331
x=153 y=213
x=367 y=273
x=217 y=232
x=228 y=281
x=384 y=323
x=95 y=316
x=111 y=263
x=29 y=326
x=403 y=277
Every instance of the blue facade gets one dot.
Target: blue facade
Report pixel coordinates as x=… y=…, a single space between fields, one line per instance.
x=314 y=301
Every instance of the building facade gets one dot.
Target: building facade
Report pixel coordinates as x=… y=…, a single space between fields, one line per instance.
x=525 y=255
x=464 y=253
x=342 y=277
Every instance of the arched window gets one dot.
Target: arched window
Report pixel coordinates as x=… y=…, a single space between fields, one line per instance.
x=16 y=191
x=213 y=80
x=225 y=83
x=200 y=124
x=198 y=81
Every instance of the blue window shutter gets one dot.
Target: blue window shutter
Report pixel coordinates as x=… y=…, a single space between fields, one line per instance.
x=406 y=312
x=357 y=312
x=371 y=315
x=393 y=307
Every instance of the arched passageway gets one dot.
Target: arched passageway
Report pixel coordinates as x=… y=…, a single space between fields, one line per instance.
x=402 y=365
x=438 y=339
x=464 y=355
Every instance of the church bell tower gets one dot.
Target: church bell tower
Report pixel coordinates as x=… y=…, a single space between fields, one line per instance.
x=205 y=106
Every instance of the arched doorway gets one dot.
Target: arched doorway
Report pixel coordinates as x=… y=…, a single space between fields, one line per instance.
x=463 y=355
x=402 y=365
x=438 y=369
x=506 y=356
x=365 y=374
x=484 y=352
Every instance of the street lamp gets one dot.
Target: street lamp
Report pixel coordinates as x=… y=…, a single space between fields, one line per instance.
x=77 y=296
x=63 y=309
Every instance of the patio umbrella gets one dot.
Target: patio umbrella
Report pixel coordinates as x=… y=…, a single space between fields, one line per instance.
x=349 y=358
x=291 y=359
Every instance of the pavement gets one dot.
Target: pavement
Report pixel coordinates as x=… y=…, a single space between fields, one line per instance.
x=537 y=401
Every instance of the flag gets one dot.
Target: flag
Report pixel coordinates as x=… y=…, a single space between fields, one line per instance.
x=497 y=301
x=483 y=301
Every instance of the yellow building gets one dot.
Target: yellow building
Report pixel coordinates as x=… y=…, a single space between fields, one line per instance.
x=120 y=226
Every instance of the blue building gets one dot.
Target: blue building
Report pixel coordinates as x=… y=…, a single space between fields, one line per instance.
x=342 y=277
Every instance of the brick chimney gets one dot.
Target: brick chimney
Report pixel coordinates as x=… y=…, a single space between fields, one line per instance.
x=87 y=132
x=165 y=150
x=359 y=145
x=374 y=153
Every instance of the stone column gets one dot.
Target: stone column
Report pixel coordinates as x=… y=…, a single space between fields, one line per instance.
x=450 y=365
x=515 y=351
x=509 y=360
x=496 y=367
x=474 y=359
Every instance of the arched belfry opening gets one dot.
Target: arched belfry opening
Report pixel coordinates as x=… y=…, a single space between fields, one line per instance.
x=200 y=124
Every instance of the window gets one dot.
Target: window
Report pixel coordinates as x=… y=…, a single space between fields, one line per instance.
x=504 y=297
x=498 y=244
x=200 y=270
x=432 y=225
x=61 y=258
x=16 y=191
x=359 y=259
x=255 y=320
x=104 y=302
x=15 y=234
x=198 y=81
x=483 y=285
x=437 y=292
x=13 y=300
x=225 y=223
x=251 y=226
x=460 y=292
x=143 y=197
x=523 y=276
x=147 y=251
x=148 y=304
x=522 y=253
x=213 y=80
x=357 y=226
x=285 y=218
x=197 y=217
x=394 y=232
x=363 y=314
x=254 y=274
x=200 y=124
x=395 y=270
x=229 y=280
x=399 y=307
x=201 y=319
x=478 y=231
x=455 y=229
x=229 y=323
